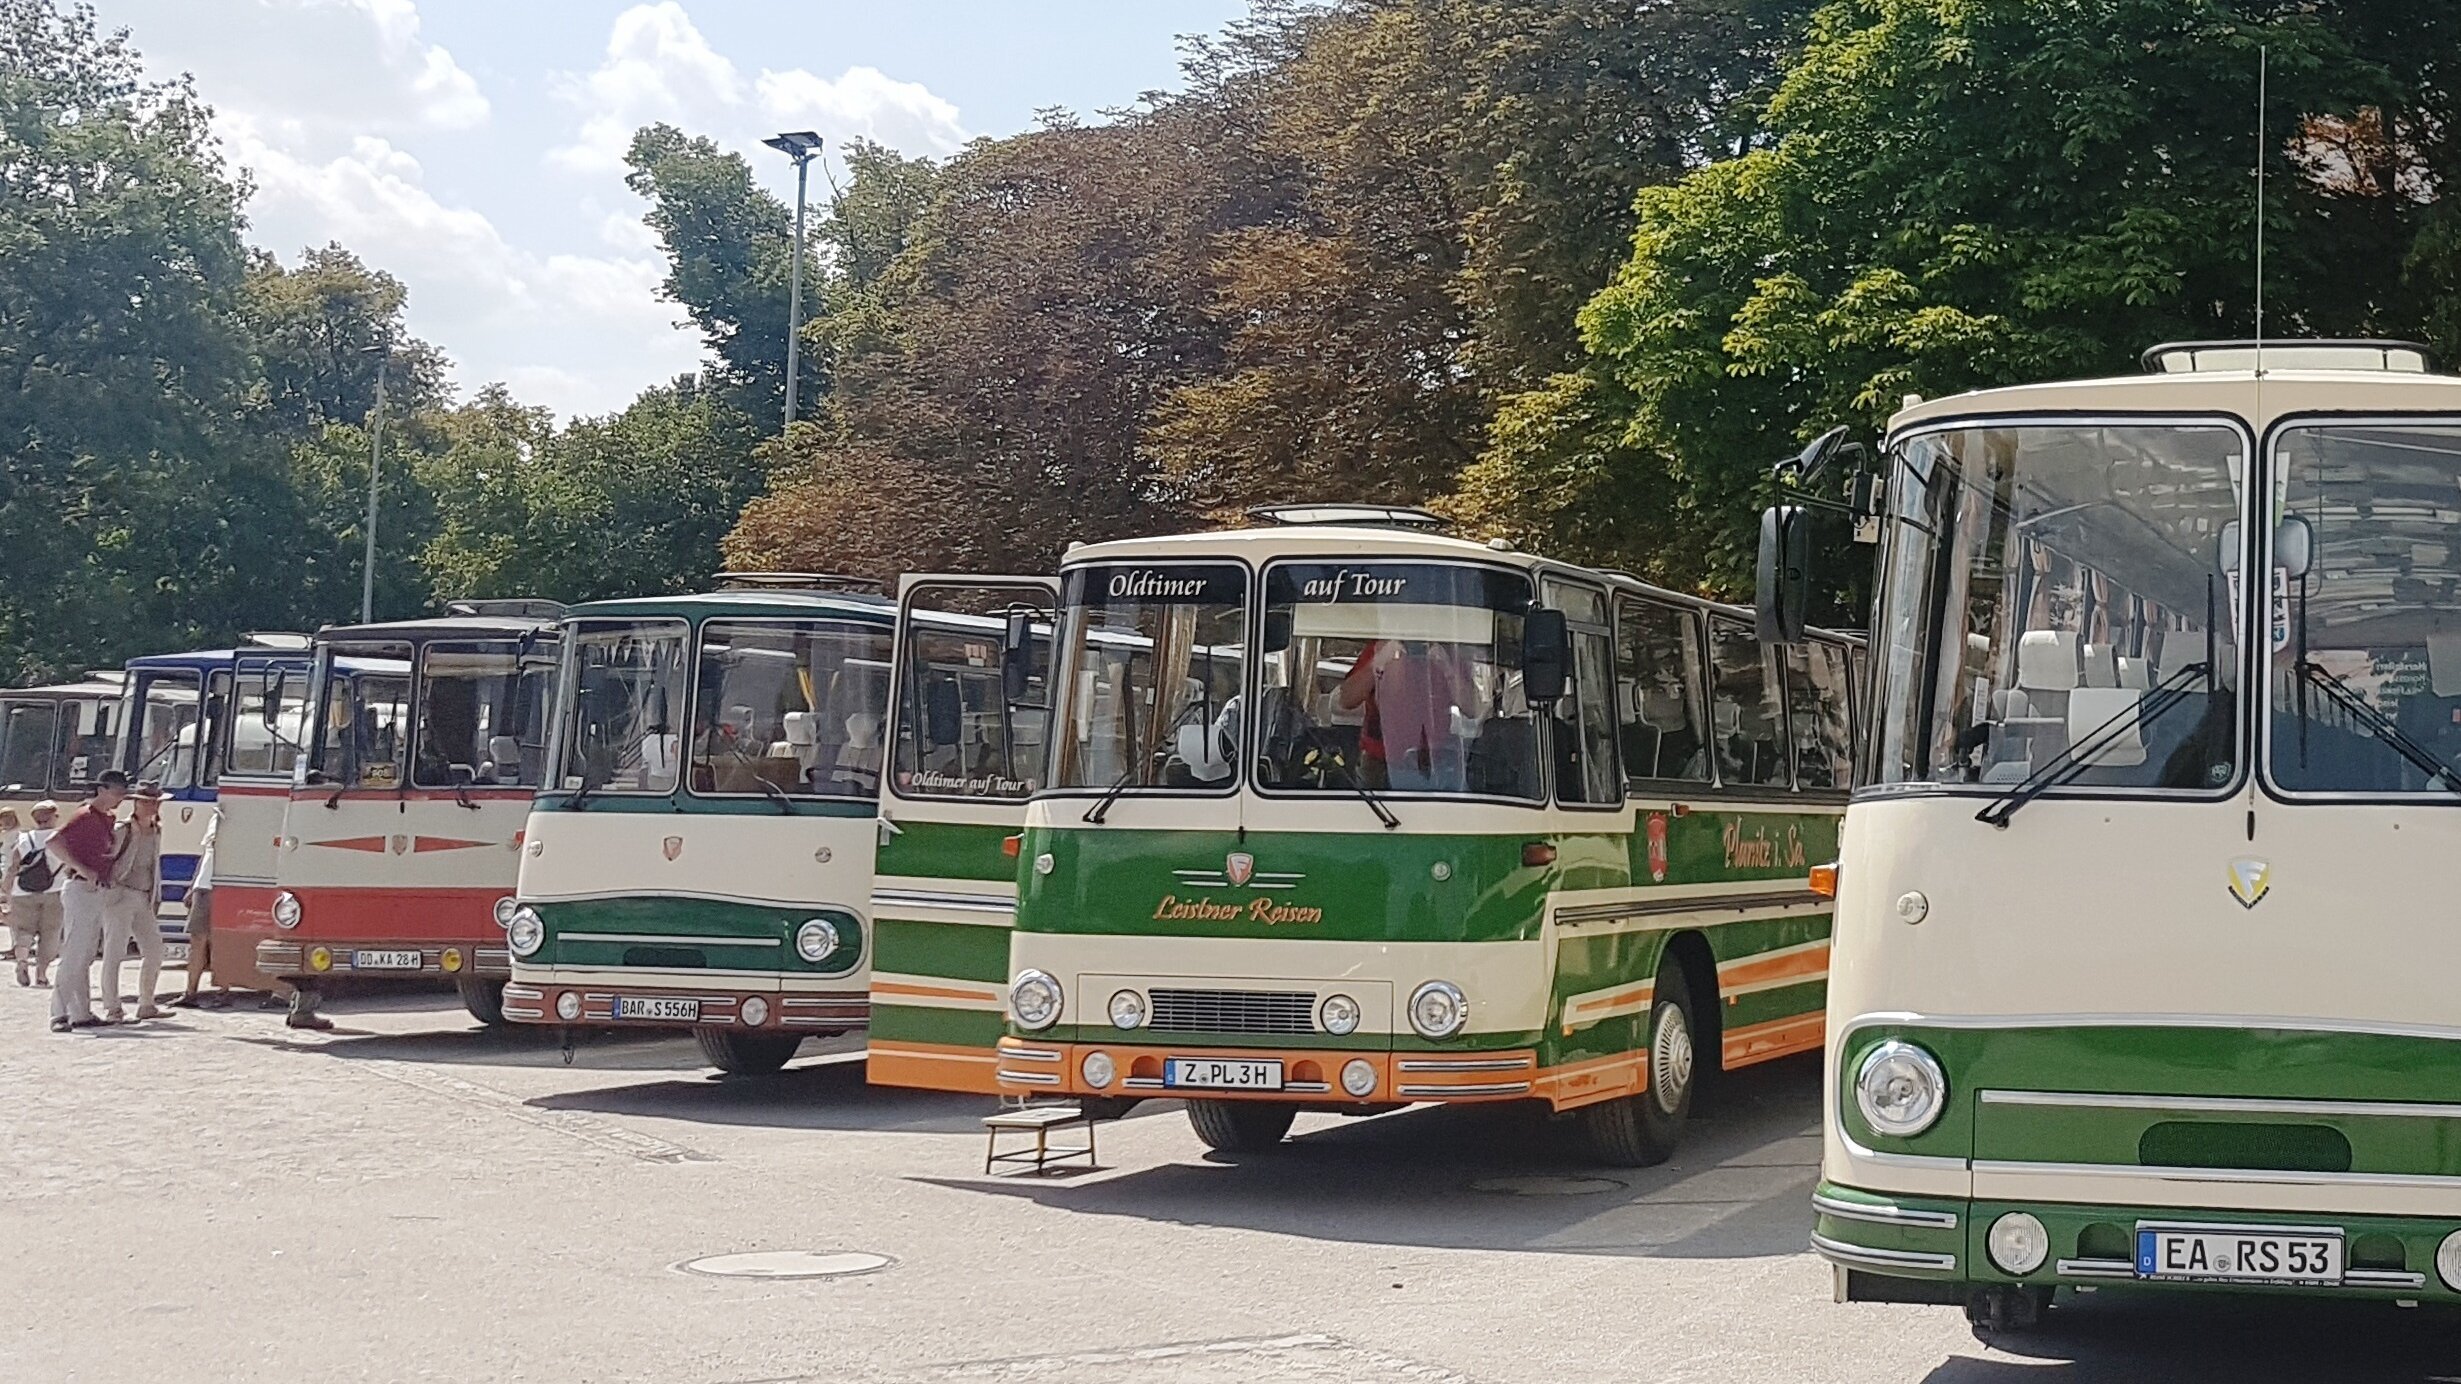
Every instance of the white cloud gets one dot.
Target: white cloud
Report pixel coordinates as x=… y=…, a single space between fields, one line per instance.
x=362 y=63
x=659 y=66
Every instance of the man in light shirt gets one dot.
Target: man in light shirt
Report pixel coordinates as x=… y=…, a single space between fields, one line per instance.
x=130 y=912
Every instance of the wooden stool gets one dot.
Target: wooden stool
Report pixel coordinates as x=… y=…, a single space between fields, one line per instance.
x=1039 y=1121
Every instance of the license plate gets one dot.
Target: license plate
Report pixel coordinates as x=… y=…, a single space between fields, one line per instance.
x=1222 y=1074
x=2238 y=1254
x=657 y=1007
x=174 y=953
x=384 y=961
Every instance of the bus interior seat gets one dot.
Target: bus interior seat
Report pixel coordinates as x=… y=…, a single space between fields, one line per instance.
x=2444 y=661
x=2134 y=672
x=2098 y=666
x=2094 y=709
x=2047 y=661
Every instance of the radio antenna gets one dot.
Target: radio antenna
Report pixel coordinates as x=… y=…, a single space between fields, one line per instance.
x=2261 y=74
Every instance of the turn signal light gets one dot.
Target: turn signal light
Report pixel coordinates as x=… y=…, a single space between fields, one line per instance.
x=1010 y=845
x=1537 y=853
x=1824 y=880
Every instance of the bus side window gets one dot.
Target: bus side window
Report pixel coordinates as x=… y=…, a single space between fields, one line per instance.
x=1584 y=730
x=1658 y=682
x=1746 y=716
x=1819 y=707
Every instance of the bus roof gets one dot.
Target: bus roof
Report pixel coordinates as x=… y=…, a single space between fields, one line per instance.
x=2259 y=401
x=214 y=660
x=855 y=605
x=110 y=687
x=439 y=627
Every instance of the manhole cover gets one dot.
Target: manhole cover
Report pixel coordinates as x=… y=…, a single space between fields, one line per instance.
x=1547 y=1186
x=787 y=1263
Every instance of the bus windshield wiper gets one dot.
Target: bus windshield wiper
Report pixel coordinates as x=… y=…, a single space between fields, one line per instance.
x=2079 y=756
x=1102 y=805
x=786 y=805
x=1358 y=782
x=2338 y=690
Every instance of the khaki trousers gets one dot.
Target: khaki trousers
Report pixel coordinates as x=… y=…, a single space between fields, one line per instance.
x=82 y=906
x=34 y=925
x=128 y=915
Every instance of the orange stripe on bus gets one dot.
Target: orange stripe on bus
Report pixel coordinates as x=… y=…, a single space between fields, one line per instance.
x=1805 y=964
x=891 y=987
x=1775 y=1039
x=932 y=1067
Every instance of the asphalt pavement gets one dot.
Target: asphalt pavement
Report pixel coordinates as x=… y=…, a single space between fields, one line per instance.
x=212 y=1197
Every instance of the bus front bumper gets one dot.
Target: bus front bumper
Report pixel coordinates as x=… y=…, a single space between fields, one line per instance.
x=1937 y=1249
x=381 y=960
x=611 y=1003
x=1312 y=1076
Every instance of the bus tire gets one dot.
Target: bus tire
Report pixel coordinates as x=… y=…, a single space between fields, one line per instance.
x=1240 y=1126
x=746 y=1054
x=1643 y=1130
x=483 y=998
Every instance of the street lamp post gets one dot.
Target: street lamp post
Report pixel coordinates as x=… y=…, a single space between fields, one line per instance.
x=375 y=456
x=802 y=146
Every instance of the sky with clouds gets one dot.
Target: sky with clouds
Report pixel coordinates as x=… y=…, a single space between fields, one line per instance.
x=474 y=148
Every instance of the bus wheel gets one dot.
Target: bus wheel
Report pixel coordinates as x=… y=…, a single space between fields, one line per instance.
x=483 y=998
x=1240 y=1126
x=1641 y=1130
x=746 y=1054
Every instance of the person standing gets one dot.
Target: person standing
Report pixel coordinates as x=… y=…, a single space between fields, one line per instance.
x=30 y=896
x=130 y=913
x=201 y=920
x=83 y=849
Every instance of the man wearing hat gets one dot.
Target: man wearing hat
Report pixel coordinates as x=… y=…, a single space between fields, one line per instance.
x=86 y=849
x=135 y=898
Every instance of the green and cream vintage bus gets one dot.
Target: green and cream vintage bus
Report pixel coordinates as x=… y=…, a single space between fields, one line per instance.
x=701 y=858
x=2132 y=986
x=1343 y=813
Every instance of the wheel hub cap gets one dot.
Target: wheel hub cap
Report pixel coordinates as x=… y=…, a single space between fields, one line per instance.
x=1670 y=1059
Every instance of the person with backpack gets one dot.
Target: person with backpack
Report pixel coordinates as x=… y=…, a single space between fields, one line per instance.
x=30 y=896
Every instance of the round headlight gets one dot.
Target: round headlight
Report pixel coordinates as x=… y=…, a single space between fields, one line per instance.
x=526 y=933
x=755 y=1011
x=2018 y=1243
x=504 y=911
x=1034 y=999
x=2448 y=1261
x=1900 y=1090
x=1437 y=1009
x=568 y=1006
x=1359 y=1077
x=286 y=909
x=1099 y=1069
x=815 y=940
x=1339 y=1014
x=1127 y=1011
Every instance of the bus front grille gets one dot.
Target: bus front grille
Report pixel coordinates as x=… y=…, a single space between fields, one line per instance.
x=1232 y=1011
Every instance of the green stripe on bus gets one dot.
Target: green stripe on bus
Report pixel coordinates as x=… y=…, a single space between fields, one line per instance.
x=947 y=850
x=953 y=951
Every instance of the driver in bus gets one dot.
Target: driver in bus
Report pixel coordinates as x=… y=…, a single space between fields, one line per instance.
x=1408 y=692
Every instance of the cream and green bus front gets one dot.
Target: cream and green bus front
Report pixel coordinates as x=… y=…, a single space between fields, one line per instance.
x=1349 y=816
x=702 y=858
x=2144 y=975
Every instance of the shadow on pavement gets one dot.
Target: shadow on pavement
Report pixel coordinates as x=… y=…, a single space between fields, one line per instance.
x=1740 y=1187
x=827 y=1093
x=2116 y=1337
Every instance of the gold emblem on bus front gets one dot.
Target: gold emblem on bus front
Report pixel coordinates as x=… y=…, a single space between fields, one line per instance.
x=1239 y=867
x=2250 y=880
x=673 y=846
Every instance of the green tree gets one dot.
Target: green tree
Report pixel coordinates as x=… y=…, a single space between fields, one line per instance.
x=729 y=248
x=1957 y=193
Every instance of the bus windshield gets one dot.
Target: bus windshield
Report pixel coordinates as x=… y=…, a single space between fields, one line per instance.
x=1153 y=658
x=165 y=730
x=1402 y=677
x=263 y=741
x=2365 y=695
x=623 y=730
x=792 y=707
x=483 y=713
x=2046 y=584
x=365 y=742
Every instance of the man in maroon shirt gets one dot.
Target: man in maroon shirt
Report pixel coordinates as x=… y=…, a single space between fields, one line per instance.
x=84 y=848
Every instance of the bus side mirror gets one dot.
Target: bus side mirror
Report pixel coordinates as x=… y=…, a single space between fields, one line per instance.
x=270 y=709
x=2294 y=546
x=1017 y=658
x=1784 y=575
x=1546 y=656
x=1277 y=631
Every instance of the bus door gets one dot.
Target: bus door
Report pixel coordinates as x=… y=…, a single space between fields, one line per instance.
x=258 y=747
x=968 y=710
